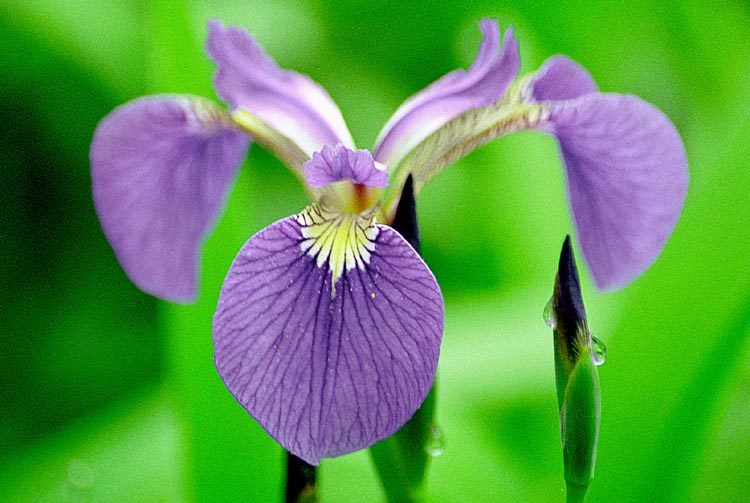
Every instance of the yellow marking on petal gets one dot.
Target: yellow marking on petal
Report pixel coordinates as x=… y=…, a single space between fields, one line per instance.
x=515 y=111
x=342 y=240
x=205 y=114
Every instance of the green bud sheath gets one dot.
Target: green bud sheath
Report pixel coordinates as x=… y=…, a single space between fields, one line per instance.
x=577 y=378
x=579 y=419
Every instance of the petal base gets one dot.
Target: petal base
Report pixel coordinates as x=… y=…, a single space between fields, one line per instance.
x=327 y=374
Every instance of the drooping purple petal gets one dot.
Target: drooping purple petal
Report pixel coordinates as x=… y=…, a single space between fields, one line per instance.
x=288 y=102
x=333 y=164
x=327 y=370
x=455 y=93
x=626 y=164
x=627 y=180
x=161 y=167
x=561 y=78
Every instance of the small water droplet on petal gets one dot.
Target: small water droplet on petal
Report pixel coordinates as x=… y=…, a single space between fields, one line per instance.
x=549 y=314
x=435 y=441
x=598 y=350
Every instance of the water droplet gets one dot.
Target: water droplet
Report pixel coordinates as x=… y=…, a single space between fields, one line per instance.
x=80 y=474
x=78 y=487
x=435 y=441
x=549 y=314
x=372 y=295
x=598 y=350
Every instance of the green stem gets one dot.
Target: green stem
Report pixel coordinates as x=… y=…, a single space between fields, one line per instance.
x=401 y=460
x=389 y=466
x=575 y=493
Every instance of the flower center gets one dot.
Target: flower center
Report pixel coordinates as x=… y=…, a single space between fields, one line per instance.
x=350 y=179
x=344 y=241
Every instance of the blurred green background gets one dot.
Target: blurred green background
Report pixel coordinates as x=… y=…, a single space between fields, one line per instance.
x=110 y=395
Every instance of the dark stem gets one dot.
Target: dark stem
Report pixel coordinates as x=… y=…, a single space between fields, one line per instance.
x=300 y=481
x=405 y=219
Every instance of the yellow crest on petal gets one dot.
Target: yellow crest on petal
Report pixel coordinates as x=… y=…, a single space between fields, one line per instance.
x=341 y=240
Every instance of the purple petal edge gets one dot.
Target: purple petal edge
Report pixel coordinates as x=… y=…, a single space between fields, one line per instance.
x=627 y=181
x=333 y=164
x=291 y=103
x=453 y=94
x=327 y=375
x=161 y=167
x=561 y=78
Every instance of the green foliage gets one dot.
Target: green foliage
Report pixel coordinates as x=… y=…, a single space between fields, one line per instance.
x=84 y=351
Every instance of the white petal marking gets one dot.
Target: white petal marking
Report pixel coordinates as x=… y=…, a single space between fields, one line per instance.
x=343 y=241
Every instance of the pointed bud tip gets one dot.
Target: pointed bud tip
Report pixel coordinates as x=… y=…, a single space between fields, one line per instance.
x=569 y=301
x=405 y=219
x=568 y=311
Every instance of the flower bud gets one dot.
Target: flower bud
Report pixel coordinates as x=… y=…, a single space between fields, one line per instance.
x=576 y=375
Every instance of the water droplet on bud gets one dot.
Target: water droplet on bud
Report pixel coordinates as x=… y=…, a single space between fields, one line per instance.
x=549 y=315
x=598 y=350
x=435 y=441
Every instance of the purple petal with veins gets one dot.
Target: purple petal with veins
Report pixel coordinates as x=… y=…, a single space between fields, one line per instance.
x=625 y=162
x=561 y=78
x=333 y=164
x=627 y=180
x=455 y=93
x=161 y=167
x=291 y=103
x=328 y=370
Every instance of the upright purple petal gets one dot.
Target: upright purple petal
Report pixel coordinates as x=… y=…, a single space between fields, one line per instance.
x=290 y=103
x=329 y=359
x=333 y=164
x=627 y=180
x=561 y=78
x=161 y=167
x=455 y=93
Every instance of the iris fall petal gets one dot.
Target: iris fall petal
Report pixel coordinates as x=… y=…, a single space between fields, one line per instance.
x=329 y=356
x=625 y=162
x=627 y=180
x=561 y=78
x=161 y=167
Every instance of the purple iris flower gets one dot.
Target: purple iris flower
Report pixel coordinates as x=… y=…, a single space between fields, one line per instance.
x=329 y=324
